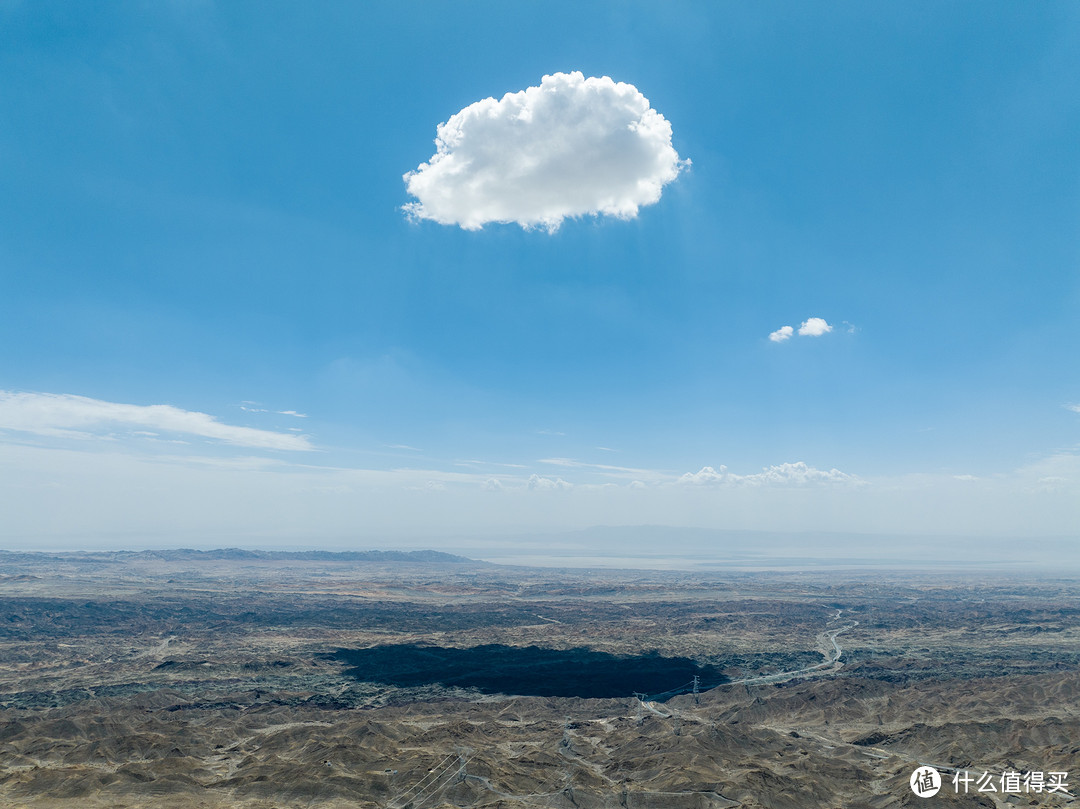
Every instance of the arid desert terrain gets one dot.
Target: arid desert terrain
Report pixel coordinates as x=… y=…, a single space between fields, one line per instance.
x=246 y=679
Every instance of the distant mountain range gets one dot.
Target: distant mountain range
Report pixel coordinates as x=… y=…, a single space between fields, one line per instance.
x=239 y=554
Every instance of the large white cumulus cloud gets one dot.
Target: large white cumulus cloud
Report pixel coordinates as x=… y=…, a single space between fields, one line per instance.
x=570 y=147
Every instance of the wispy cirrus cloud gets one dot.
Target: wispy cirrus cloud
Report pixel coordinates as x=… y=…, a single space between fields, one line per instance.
x=571 y=147
x=608 y=469
x=68 y=415
x=248 y=407
x=475 y=462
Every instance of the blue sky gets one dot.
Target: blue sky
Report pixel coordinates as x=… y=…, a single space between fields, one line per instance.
x=201 y=211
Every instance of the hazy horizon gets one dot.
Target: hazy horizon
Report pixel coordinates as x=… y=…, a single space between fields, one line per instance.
x=665 y=547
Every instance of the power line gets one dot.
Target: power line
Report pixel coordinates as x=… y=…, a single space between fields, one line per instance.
x=679 y=690
x=434 y=788
x=432 y=772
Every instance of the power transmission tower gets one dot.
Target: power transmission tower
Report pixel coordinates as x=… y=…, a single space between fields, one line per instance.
x=697 y=682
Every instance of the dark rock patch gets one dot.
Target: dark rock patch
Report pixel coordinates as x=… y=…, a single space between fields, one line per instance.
x=528 y=670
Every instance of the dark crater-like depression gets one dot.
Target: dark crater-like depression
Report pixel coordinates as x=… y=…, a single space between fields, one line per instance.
x=528 y=670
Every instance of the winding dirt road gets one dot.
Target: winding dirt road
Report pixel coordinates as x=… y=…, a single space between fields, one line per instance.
x=831 y=664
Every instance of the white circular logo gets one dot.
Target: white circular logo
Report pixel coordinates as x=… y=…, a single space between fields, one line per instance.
x=925 y=782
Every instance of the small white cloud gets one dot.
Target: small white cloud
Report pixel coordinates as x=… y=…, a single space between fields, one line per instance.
x=785 y=474
x=571 y=147
x=781 y=334
x=492 y=485
x=538 y=483
x=799 y=473
x=66 y=415
x=964 y=477
x=706 y=476
x=814 y=327
x=292 y=413
x=1073 y=407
